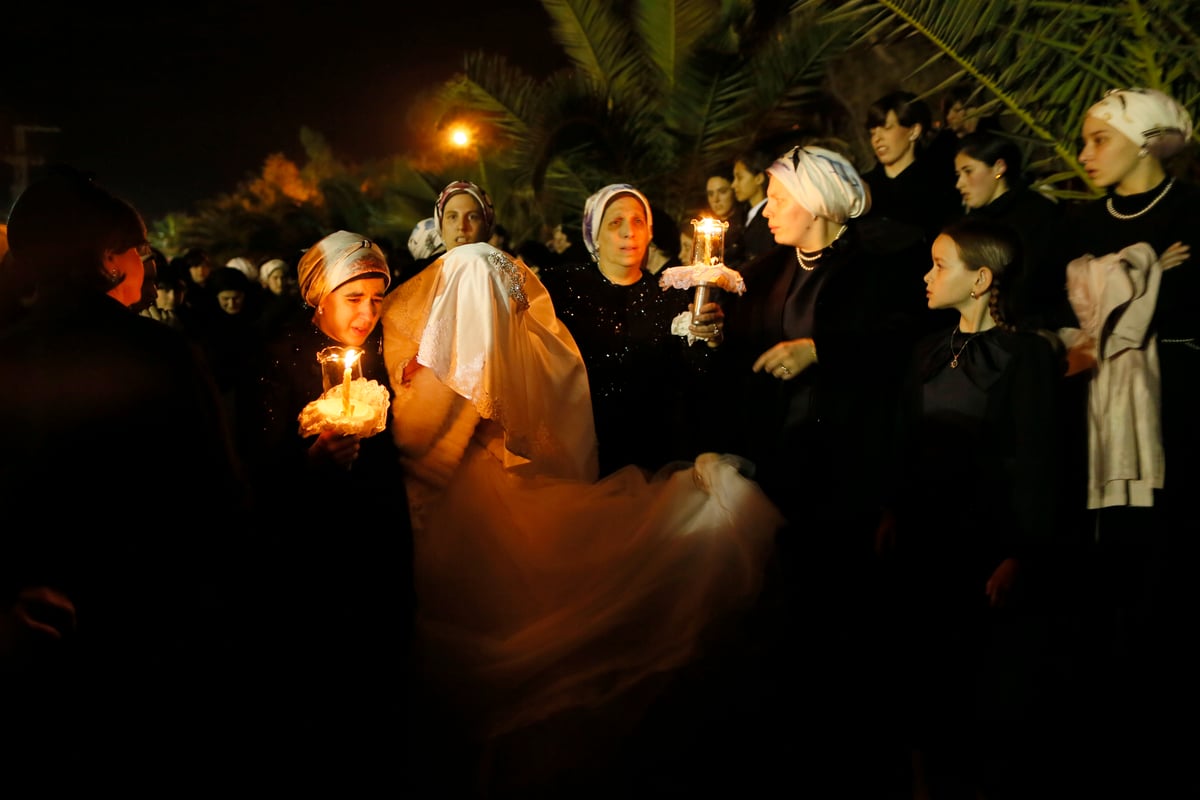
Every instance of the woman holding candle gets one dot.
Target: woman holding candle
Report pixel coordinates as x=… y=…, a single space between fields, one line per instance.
x=621 y=320
x=547 y=601
x=343 y=597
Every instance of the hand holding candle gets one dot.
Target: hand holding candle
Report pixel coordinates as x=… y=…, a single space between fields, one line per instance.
x=350 y=406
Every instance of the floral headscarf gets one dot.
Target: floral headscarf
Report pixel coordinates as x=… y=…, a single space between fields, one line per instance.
x=822 y=181
x=336 y=259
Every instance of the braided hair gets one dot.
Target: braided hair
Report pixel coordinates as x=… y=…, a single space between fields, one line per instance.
x=984 y=242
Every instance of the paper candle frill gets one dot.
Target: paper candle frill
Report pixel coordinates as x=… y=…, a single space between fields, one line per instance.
x=688 y=277
x=367 y=416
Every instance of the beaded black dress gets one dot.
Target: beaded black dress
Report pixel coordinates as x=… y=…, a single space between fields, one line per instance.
x=643 y=378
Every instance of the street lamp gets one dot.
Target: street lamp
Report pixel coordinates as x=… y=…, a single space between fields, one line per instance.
x=462 y=137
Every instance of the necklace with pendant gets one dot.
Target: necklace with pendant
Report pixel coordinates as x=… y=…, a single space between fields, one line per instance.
x=954 y=355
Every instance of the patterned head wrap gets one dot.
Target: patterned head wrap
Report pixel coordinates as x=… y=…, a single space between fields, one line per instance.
x=481 y=197
x=425 y=239
x=822 y=181
x=594 y=208
x=336 y=259
x=1147 y=117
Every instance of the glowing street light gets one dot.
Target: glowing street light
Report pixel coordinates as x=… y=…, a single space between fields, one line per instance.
x=462 y=137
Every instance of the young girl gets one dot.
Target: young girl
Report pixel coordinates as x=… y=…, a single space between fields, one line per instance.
x=975 y=491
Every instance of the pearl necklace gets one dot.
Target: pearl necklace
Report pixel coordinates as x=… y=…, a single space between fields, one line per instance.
x=954 y=355
x=810 y=263
x=1118 y=215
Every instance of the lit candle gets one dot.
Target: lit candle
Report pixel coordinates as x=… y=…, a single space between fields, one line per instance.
x=709 y=241
x=350 y=357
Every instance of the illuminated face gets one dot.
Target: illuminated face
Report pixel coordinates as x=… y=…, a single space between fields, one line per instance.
x=1108 y=155
x=789 y=221
x=893 y=142
x=462 y=221
x=275 y=282
x=720 y=196
x=948 y=283
x=350 y=312
x=129 y=263
x=747 y=185
x=977 y=182
x=231 y=301
x=624 y=234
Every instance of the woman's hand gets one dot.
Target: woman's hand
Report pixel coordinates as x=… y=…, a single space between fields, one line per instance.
x=1175 y=255
x=334 y=449
x=1000 y=586
x=788 y=359
x=709 y=324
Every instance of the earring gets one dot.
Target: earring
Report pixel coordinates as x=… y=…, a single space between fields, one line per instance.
x=320 y=309
x=999 y=175
x=973 y=295
x=1142 y=153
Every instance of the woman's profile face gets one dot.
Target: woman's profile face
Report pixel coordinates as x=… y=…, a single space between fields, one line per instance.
x=948 y=282
x=977 y=182
x=789 y=221
x=746 y=184
x=624 y=233
x=128 y=263
x=1108 y=155
x=350 y=312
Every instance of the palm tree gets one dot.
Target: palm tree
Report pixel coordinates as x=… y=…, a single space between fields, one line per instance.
x=659 y=93
x=1042 y=63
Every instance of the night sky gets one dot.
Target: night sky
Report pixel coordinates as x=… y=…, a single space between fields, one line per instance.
x=166 y=110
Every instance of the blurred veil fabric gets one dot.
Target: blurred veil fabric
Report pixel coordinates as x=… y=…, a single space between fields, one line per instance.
x=540 y=590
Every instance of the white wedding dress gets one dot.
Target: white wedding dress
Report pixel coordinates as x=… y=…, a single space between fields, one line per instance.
x=539 y=589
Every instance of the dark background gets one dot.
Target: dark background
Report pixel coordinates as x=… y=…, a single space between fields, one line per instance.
x=173 y=103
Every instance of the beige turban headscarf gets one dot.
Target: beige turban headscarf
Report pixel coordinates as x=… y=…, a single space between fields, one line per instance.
x=1146 y=117
x=825 y=183
x=336 y=259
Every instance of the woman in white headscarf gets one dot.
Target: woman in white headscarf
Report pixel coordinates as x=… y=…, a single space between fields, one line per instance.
x=622 y=321
x=1133 y=288
x=336 y=574
x=814 y=352
x=540 y=591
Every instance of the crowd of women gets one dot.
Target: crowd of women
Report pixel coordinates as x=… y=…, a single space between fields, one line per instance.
x=823 y=531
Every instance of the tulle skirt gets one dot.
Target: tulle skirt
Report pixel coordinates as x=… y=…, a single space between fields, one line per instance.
x=538 y=596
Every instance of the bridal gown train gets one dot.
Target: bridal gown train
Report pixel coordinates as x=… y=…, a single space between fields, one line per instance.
x=541 y=590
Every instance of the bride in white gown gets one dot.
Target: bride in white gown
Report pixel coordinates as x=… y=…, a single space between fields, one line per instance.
x=541 y=590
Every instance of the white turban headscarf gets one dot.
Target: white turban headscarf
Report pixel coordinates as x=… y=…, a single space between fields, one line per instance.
x=1146 y=117
x=593 y=212
x=825 y=183
x=336 y=259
